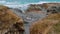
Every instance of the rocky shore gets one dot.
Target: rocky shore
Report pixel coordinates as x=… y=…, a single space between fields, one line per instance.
x=34 y=13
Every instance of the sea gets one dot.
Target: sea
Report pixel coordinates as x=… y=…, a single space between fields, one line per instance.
x=18 y=3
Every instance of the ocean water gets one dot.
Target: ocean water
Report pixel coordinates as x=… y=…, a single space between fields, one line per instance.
x=14 y=3
x=29 y=1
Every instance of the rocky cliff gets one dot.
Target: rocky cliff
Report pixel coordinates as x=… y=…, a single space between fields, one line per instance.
x=8 y=20
x=48 y=25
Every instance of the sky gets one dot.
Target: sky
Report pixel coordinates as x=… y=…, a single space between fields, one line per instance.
x=24 y=2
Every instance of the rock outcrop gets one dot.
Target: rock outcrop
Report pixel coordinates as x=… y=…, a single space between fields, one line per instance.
x=35 y=12
x=51 y=7
x=49 y=24
x=9 y=21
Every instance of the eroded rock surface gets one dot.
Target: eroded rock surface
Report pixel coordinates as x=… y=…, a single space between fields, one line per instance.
x=8 y=19
x=46 y=25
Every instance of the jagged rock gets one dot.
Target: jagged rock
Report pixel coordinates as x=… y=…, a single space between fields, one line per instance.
x=47 y=25
x=35 y=8
x=53 y=9
x=46 y=5
x=8 y=19
x=35 y=12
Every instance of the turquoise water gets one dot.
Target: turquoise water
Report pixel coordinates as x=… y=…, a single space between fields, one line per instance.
x=27 y=1
x=31 y=1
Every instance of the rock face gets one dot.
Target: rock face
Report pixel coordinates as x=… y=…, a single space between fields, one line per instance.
x=9 y=21
x=48 y=25
x=52 y=7
x=35 y=12
x=46 y=5
x=34 y=8
x=38 y=11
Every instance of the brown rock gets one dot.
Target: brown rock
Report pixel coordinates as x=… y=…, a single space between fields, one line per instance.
x=46 y=5
x=46 y=25
x=34 y=8
x=8 y=19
